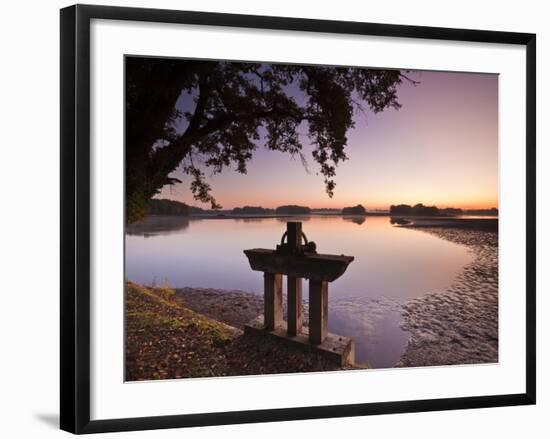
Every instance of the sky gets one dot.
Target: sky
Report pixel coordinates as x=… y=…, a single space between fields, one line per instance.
x=440 y=148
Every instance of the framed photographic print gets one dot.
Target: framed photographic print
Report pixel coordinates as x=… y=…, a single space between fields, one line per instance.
x=304 y=218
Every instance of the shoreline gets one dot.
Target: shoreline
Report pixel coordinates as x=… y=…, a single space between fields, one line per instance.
x=456 y=219
x=165 y=338
x=281 y=215
x=460 y=324
x=479 y=224
x=232 y=307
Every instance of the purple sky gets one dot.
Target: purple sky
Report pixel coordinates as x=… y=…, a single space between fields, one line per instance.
x=440 y=148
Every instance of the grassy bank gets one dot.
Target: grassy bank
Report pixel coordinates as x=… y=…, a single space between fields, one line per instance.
x=166 y=339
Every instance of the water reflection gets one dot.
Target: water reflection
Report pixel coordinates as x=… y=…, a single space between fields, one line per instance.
x=374 y=323
x=399 y=221
x=158 y=225
x=304 y=219
x=355 y=219
x=391 y=264
x=389 y=261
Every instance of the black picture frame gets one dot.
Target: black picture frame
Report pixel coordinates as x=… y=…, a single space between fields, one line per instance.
x=75 y=217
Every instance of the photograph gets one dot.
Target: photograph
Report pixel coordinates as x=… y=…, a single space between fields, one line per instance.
x=290 y=218
x=270 y=220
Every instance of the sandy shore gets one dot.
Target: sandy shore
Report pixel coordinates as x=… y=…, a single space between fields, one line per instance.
x=459 y=325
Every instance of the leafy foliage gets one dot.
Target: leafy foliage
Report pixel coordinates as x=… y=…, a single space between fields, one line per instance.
x=235 y=108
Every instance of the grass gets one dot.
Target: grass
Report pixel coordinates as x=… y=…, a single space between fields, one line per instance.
x=165 y=339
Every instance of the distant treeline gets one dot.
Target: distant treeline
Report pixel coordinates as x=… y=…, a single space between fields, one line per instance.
x=293 y=210
x=421 y=210
x=325 y=210
x=158 y=206
x=451 y=211
x=171 y=207
x=163 y=206
x=417 y=209
x=252 y=210
x=297 y=210
x=167 y=207
x=355 y=210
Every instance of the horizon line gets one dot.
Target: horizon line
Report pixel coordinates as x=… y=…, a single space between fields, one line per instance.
x=445 y=206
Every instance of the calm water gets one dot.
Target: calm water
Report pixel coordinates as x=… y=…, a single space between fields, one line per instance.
x=391 y=265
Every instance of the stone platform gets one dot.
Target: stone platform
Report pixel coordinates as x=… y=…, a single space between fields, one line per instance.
x=336 y=348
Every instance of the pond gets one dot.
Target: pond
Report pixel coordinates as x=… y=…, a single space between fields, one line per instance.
x=392 y=264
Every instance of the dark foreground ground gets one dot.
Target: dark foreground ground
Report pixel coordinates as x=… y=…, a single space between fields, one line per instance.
x=166 y=339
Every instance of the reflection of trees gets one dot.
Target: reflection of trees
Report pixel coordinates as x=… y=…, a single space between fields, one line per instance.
x=399 y=221
x=155 y=225
x=355 y=219
x=285 y=219
x=251 y=219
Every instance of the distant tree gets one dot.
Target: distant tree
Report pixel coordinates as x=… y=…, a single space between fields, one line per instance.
x=401 y=209
x=325 y=210
x=417 y=210
x=293 y=210
x=251 y=210
x=194 y=210
x=238 y=106
x=420 y=209
x=356 y=210
x=167 y=207
x=451 y=211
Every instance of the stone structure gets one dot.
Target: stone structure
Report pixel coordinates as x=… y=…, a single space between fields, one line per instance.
x=299 y=261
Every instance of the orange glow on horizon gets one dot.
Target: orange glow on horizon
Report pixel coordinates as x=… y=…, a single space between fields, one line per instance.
x=341 y=202
x=440 y=148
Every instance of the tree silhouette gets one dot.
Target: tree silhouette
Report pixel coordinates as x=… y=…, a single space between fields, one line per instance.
x=235 y=108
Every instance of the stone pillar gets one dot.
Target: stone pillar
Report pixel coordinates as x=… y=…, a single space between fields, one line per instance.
x=318 y=311
x=294 y=299
x=294 y=235
x=273 y=301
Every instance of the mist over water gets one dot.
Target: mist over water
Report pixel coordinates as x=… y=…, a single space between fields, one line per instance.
x=392 y=264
